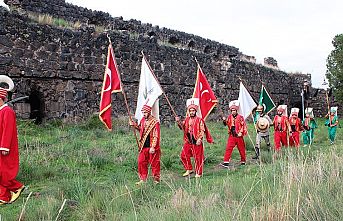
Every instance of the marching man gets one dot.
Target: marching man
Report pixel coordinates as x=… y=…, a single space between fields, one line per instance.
x=149 y=146
x=332 y=123
x=309 y=126
x=296 y=127
x=10 y=188
x=263 y=122
x=237 y=129
x=194 y=130
x=281 y=128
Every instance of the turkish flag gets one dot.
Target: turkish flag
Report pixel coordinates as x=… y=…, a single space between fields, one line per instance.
x=203 y=91
x=111 y=84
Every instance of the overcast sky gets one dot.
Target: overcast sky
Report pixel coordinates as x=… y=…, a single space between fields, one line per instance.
x=297 y=33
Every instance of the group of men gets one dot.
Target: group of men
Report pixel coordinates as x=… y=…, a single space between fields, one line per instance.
x=287 y=130
x=286 y=133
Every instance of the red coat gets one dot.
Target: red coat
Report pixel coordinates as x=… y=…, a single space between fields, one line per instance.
x=9 y=164
x=153 y=129
x=196 y=130
x=284 y=123
x=240 y=125
x=297 y=122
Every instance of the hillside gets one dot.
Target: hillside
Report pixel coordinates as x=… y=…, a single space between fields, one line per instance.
x=95 y=172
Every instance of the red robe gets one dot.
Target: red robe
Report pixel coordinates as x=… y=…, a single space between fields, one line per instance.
x=198 y=130
x=294 y=138
x=280 y=134
x=9 y=164
x=234 y=140
x=149 y=129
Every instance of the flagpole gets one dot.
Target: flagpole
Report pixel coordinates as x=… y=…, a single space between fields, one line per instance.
x=196 y=61
x=124 y=94
x=171 y=107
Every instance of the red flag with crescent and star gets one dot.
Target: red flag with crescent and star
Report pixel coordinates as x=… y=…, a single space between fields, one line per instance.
x=203 y=91
x=111 y=84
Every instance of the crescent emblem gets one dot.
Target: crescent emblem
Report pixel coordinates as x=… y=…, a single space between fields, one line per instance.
x=204 y=92
x=108 y=73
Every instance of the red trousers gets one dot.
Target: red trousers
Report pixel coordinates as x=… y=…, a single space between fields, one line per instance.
x=280 y=137
x=144 y=159
x=6 y=186
x=294 y=139
x=231 y=143
x=190 y=150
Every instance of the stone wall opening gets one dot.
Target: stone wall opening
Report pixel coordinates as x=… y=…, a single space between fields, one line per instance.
x=191 y=44
x=36 y=106
x=174 y=40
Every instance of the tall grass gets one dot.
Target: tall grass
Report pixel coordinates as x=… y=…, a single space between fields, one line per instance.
x=95 y=170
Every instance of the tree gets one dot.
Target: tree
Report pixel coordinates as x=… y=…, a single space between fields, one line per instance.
x=334 y=66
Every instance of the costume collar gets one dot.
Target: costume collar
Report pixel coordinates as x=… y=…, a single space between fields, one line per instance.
x=5 y=105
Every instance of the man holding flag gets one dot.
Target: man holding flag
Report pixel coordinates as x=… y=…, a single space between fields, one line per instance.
x=147 y=113
x=149 y=146
x=194 y=127
x=262 y=120
x=237 y=129
x=309 y=126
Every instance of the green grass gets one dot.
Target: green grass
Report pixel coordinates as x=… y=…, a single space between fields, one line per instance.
x=95 y=171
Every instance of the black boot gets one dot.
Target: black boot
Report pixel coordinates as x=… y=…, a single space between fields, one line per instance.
x=268 y=147
x=257 y=152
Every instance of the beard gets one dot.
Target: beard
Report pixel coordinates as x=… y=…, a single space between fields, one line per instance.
x=192 y=115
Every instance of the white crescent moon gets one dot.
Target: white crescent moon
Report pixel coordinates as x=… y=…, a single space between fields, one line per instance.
x=108 y=73
x=204 y=92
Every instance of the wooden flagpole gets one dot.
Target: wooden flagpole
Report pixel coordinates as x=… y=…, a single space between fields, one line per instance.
x=171 y=107
x=124 y=95
x=327 y=100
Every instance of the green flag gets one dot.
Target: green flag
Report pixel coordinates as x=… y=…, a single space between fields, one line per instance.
x=266 y=101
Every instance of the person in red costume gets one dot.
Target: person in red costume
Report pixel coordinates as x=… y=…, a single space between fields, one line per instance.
x=149 y=146
x=10 y=188
x=194 y=130
x=237 y=129
x=281 y=128
x=296 y=127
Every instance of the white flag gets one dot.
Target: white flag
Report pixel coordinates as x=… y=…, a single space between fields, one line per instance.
x=246 y=102
x=148 y=92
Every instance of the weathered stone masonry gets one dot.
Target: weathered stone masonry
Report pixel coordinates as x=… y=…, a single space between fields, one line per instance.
x=62 y=69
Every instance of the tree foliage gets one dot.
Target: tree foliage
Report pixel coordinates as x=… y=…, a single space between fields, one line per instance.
x=335 y=67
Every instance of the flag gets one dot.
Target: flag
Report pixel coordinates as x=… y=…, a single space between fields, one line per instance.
x=246 y=102
x=266 y=101
x=111 y=84
x=203 y=91
x=148 y=92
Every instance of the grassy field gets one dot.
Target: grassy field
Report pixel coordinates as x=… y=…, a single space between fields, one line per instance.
x=82 y=172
